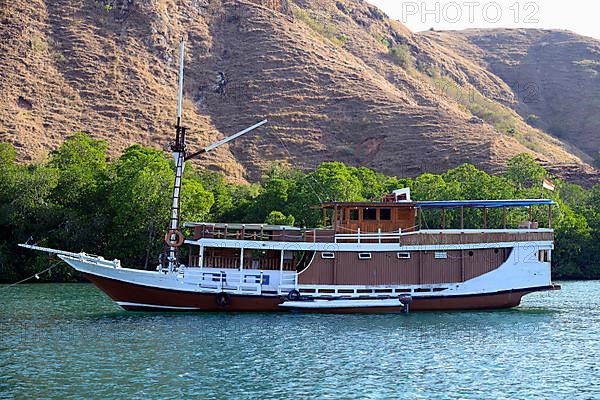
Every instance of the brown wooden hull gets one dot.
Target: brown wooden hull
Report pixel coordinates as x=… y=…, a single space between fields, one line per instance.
x=144 y=298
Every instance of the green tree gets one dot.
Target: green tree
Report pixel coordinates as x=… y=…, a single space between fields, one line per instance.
x=8 y=173
x=81 y=162
x=222 y=191
x=525 y=173
x=81 y=193
x=273 y=196
x=196 y=202
x=279 y=218
x=374 y=184
x=140 y=181
x=331 y=181
x=572 y=235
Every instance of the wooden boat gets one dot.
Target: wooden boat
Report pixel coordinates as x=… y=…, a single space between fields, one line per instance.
x=372 y=257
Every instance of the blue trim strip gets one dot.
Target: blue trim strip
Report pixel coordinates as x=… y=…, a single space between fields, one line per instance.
x=484 y=203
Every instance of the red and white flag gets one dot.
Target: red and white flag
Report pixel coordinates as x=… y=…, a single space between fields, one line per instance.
x=548 y=185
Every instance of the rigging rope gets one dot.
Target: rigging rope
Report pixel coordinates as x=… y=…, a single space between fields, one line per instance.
x=36 y=275
x=290 y=156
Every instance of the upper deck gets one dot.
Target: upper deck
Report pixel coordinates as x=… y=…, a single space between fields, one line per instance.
x=403 y=221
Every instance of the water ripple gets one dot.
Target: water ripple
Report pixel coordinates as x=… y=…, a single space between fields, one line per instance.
x=70 y=341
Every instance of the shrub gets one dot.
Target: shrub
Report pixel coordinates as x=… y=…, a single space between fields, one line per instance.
x=401 y=55
x=532 y=119
x=324 y=29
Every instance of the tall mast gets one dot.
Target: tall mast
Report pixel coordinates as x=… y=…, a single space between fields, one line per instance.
x=174 y=237
x=180 y=86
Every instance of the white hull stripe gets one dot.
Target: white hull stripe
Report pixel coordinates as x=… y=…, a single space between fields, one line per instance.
x=328 y=304
x=126 y=303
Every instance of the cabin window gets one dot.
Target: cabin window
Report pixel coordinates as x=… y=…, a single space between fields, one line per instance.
x=353 y=215
x=370 y=214
x=385 y=214
x=327 y=255
x=364 y=256
x=403 y=255
x=544 y=255
x=440 y=255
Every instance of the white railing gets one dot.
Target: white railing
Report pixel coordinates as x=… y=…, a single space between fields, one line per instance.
x=364 y=291
x=288 y=283
x=238 y=282
x=379 y=236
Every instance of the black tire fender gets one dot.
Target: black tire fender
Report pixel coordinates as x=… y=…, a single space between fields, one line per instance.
x=293 y=295
x=223 y=299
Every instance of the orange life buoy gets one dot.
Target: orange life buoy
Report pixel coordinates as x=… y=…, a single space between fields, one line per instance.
x=179 y=239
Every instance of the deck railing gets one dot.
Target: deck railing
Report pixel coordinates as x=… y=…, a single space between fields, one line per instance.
x=240 y=282
x=359 y=237
x=248 y=282
x=249 y=263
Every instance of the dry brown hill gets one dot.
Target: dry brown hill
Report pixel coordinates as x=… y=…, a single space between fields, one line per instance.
x=553 y=74
x=337 y=80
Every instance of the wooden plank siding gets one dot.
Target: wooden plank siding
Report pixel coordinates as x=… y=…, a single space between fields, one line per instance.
x=320 y=270
x=401 y=218
x=472 y=238
x=385 y=268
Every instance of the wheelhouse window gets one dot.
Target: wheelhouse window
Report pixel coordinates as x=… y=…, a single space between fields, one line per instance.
x=404 y=255
x=364 y=256
x=353 y=215
x=370 y=214
x=328 y=255
x=385 y=214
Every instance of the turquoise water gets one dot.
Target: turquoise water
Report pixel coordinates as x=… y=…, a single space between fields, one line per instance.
x=71 y=341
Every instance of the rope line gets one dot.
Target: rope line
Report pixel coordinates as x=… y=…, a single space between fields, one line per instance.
x=36 y=275
x=290 y=156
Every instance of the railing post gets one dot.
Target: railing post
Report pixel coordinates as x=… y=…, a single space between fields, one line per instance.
x=358 y=235
x=241 y=269
x=296 y=281
x=281 y=268
x=379 y=234
x=261 y=282
x=201 y=258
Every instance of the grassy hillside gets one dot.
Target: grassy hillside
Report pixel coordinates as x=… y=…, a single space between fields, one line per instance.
x=337 y=80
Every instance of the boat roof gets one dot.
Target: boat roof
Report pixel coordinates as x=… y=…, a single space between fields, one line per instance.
x=257 y=227
x=484 y=203
x=444 y=204
x=366 y=204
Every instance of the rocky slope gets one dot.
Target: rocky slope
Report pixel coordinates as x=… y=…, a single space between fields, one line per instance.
x=337 y=80
x=555 y=76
